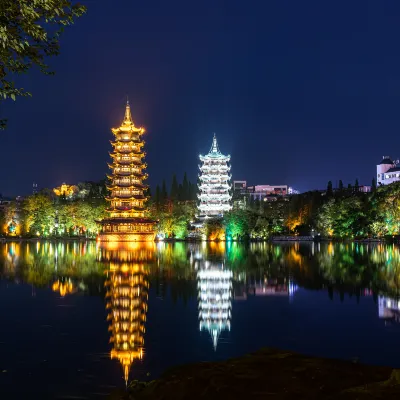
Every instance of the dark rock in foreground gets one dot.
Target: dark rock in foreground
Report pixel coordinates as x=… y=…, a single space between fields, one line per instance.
x=272 y=374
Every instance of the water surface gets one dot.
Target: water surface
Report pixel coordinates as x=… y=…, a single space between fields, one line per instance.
x=65 y=308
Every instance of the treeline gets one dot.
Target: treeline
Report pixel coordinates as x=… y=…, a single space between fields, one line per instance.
x=184 y=191
x=174 y=209
x=45 y=214
x=344 y=212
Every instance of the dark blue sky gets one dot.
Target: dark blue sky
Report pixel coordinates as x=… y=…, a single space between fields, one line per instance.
x=298 y=92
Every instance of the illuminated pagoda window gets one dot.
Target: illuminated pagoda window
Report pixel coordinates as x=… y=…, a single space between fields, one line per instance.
x=215 y=187
x=215 y=299
x=127 y=211
x=127 y=294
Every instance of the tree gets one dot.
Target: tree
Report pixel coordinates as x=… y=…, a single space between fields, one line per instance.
x=185 y=188
x=180 y=192
x=340 y=185
x=39 y=213
x=373 y=186
x=236 y=223
x=164 y=194
x=174 y=188
x=329 y=190
x=158 y=195
x=192 y=191
x=30 y=32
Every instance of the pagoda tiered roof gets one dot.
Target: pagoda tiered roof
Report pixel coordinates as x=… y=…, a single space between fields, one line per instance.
x=130 y=184
x=128 y=197
x=138 y=155
x=131 y=140
x=132 y=164
x=122 y=220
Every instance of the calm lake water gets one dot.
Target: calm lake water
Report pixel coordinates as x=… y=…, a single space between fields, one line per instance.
x=76 y=318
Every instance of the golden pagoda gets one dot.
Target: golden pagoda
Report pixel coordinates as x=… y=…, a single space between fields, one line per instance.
x=127 y=221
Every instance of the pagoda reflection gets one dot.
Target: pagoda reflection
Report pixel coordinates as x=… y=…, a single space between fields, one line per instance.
x=214 y=283
x=127 y=287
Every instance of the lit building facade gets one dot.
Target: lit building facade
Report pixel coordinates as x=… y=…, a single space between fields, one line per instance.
x=69 y=191
x=387 y=171
x=242 y=193
x=215 y=187
x=127 y=221
x=215 y=298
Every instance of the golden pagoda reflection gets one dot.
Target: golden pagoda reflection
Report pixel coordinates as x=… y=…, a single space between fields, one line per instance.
x=127 y=295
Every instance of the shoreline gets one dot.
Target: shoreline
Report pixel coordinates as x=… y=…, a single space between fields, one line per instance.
x=273 y=374
x=67 y=239
x=283 y=239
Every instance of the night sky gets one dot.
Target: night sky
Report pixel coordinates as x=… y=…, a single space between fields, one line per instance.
x=298 y=92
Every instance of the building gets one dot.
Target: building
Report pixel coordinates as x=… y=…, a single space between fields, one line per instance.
x=243 y=194
x=239 y=186
x=215 y=187
x=67 y=191
x=215 y=298
x=387 y=171
x=127 y=221
x=260 y=192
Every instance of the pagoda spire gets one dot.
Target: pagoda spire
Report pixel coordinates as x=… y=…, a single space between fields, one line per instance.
x=128 y=115
x=214 y=148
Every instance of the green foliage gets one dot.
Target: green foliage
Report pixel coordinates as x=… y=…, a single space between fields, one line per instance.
x=40 y=214
x=236 y=223
x=173 y=223
x=29 y=33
